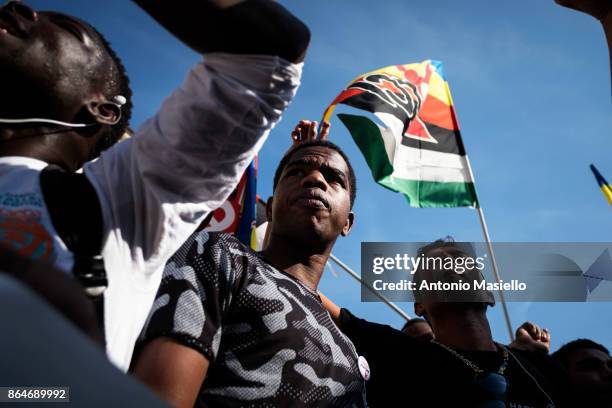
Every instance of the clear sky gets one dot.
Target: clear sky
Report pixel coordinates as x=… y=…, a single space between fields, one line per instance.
x=531 y=86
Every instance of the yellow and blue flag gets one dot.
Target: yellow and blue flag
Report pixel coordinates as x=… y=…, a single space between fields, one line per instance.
x=605 y=187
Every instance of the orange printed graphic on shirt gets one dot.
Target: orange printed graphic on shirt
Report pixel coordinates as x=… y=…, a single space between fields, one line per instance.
x=23 y=231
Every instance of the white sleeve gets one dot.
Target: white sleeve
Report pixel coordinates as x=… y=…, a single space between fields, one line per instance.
x=156 y=187
x=186 y=160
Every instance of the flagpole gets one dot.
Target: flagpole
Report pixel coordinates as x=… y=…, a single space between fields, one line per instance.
x=485 y=231
x=369 y=287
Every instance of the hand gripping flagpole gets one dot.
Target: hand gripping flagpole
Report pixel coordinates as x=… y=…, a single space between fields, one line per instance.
x=485 y=231
x=369 y=287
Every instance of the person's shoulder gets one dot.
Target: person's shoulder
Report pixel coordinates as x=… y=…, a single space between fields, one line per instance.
x=204 y=239
x=229 y=242
x=536 y=358
x=357 y=326
x=225 y=238
x=546 y=370
x=543 y=364
x=223 y=245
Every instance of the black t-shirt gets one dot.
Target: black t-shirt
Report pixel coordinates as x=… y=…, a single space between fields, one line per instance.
x=411 y=373
x=269 y=341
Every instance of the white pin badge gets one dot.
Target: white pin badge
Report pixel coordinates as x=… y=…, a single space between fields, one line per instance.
x=364 y=367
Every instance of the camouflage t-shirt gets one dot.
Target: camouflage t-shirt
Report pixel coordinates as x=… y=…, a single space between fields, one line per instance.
x=269 y=341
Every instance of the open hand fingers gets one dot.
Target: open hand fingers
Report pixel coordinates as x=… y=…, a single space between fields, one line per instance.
x=307 y=130
x=324 y=131
x=300 y=132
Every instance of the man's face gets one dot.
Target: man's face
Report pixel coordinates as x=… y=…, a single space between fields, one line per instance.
x=50 y=63
x=311 y=202
x=590 y=372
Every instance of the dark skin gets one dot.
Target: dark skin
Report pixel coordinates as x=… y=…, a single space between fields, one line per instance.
x=309 y=210
x=590 y=371
x=54 y=66
x=420 y=331
x=175 y=372
x=461 y=326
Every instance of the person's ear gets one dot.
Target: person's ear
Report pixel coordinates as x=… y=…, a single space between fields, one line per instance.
x=350 y=220
x=269 y=209
x=104 y=112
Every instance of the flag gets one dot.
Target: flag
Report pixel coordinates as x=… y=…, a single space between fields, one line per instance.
x=246 y=227
x=419 y=151
x=606 y=189
x=237 y=215
x=261 y=222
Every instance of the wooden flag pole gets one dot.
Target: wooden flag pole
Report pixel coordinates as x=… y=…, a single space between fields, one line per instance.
x=369 y=287
x=485 y=231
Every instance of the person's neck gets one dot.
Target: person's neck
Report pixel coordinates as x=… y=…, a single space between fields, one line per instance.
x=36 y=145
x=300 y=261
x=467 y=330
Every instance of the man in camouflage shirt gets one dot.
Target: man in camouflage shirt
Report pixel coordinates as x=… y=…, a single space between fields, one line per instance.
x=231 y=327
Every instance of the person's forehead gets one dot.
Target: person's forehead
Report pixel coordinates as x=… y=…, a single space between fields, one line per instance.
x=83 y=25
x=319 y=155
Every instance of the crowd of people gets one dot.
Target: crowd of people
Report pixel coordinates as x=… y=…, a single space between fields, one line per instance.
x=198 y=317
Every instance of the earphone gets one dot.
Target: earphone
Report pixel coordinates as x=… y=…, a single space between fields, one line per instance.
x=118 y=100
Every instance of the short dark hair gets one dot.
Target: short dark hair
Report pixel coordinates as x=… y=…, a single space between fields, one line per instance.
x=563 y=354
x=447 y=246
x=117 y=84
x=315 y=143
x=412 y=322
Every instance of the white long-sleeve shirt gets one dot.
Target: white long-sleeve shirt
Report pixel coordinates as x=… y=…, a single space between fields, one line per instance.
x=155 y=188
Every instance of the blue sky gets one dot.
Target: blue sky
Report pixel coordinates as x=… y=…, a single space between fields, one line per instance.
x=531 y=86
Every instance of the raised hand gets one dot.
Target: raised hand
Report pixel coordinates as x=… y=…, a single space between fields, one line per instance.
x=306 y=131
x=530 y=337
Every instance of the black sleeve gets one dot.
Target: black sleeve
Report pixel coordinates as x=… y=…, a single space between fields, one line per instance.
x=368 y=336
x=386 y=350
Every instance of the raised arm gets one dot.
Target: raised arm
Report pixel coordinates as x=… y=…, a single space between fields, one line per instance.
x=156 y=187
x=531 y=337
x=265 y=27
